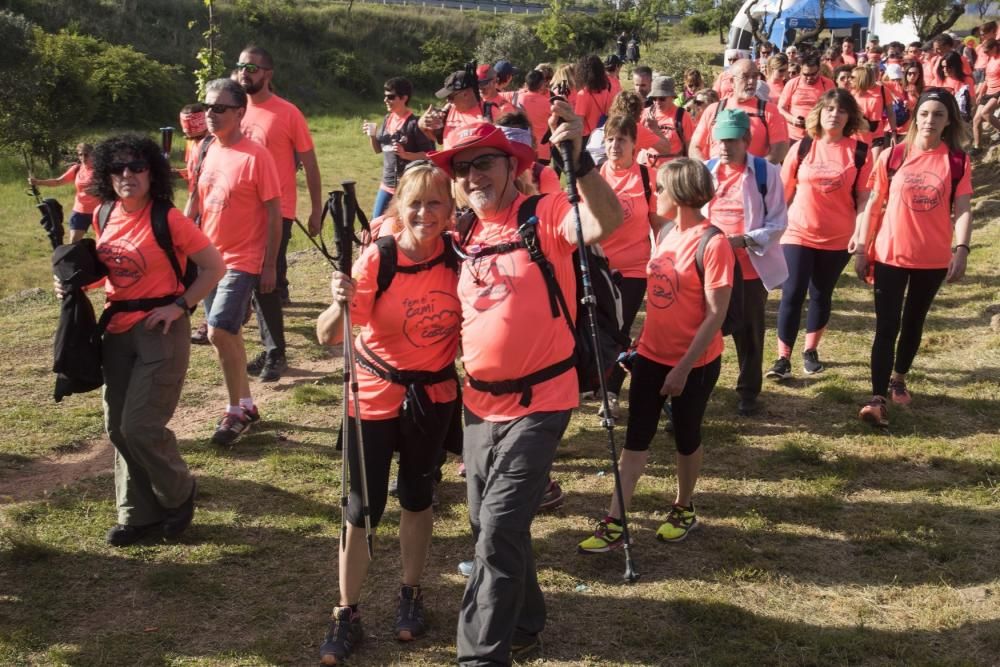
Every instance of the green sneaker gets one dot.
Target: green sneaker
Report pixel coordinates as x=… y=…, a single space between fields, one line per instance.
x=608 y=536
x=679 y=523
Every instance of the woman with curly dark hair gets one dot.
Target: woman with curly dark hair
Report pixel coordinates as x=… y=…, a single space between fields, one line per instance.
x=593 y=100
x=146 y=344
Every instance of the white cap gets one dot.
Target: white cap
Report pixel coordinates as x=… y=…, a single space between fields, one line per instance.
x=894 y=71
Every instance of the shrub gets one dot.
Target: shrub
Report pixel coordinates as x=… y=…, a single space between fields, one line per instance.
x=348 y=71
x=511 y=41
x=441 y=56
x=673 y=62
x=699 y=25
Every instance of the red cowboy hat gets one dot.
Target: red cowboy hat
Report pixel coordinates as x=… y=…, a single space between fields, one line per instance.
x=481 y=135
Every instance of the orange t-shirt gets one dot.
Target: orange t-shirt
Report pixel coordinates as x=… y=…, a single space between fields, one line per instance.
x=279 y=125
x=992 y=76
x=591 y=106
x=848 y=58
x=727 y=210
x=628 y=247
x=823 y=212
x=537 y=108
x=548 y=181
x=799 y=98
x=645 y=138
x=724 y=84
x=872 y=108
x=675 y=297
x=667 y=124
x=82 y=175
x=235 y=182
x=498 y=106
x=456 y=119
x=916 y=231
x=981 y=58
x=137 y=266
x=508 y=330
x=774 y=90
x=413 y=325
x=761 y=137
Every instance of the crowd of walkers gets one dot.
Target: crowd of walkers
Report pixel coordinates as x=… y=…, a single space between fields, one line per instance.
x=703 y=200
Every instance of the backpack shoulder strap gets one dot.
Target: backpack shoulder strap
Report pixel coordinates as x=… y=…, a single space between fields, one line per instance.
x=699 y=254
x=103 y=213
x=760 y=175
x=386 y=263
x=527 y=209
x=860 y=155
x=202 y=152
x=805 y=143
x=718 y=109
x=956 y=163
x=711 y=164
x=679 y=128
x=761 y=107
x=896 y=158
x=646 y=188
x=527 y=230
x=161 y=231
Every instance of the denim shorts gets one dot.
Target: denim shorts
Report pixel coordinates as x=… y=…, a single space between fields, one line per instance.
x=80 y=222
x=226 y=305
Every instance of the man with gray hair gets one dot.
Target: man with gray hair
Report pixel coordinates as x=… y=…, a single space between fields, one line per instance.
x=238 y=198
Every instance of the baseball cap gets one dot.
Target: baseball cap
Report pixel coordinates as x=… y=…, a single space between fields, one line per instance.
x=894 y=71
x=731 y=124
x=504 y=68
x=485 y=73
x=454 y=83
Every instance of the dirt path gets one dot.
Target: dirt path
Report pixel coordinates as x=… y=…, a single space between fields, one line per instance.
x=41 y=477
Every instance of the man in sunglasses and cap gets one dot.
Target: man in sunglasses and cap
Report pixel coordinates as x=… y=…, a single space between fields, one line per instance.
x=464 y=107
x=521 y=383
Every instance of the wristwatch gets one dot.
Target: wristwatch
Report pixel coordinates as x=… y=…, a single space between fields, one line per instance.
x=182 y=303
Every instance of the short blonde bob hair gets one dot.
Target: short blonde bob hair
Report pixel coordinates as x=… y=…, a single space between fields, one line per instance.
x=687 y=182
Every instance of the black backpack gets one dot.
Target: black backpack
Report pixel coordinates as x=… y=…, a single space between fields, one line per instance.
x=161 y=230
x=734 y=315
x=860 y=155
x=388 y=266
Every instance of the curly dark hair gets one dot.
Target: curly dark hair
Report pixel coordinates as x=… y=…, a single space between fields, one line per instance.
x=132 y=146
x=593 y=74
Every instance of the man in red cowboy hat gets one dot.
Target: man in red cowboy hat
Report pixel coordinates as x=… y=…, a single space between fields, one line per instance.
x=521 y=384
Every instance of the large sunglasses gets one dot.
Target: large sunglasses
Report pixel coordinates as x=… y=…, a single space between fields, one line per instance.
x=135 y=166
x=220 y=108
x=389 y=96
x=481 y=163
x=250 y=67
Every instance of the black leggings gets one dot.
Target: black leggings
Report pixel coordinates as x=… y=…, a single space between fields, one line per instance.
x=645 y=404
x=418 y=464
x=900 y=311
x=815 y=271
x=633 y=290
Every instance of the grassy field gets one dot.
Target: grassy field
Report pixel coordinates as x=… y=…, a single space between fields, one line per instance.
x=822 y=542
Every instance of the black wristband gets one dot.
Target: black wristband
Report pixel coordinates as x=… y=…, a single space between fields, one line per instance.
x=962 y=245
x=585 y=163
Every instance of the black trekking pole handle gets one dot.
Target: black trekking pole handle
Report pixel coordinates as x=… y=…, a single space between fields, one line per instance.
x=166 y=140
x=589 y=302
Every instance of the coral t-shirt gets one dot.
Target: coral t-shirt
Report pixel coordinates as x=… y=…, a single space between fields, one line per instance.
x=498 y=106
x=138 y=268
x=873 y=103
x=724 y=85
x=508 y=330
x=628 y=247
x=774 y=90
x=848 y=58
x=413 y=325
x=645 y=138
x=727 y=209
x=823 y=210
x=764 y=132
x=82 y=175
x=799 y=98
x=916 y=230
x=537 y=108
x=455 y=119
x=235 y=182
x=675 y=297
x=591 y=106
x=548 y=181
x=992 y=76
x=667 y=122
x=279 y=125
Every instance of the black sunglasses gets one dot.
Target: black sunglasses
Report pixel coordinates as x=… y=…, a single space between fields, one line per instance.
x=251 y=68
x=389 y=96
x=220 y=108
x=135 y=166
x=481 y=163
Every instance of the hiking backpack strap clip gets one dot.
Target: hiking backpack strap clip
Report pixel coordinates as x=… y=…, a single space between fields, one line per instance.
x=527 y=229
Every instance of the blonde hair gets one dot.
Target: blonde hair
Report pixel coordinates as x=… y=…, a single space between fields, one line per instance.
x=626 y=103
x=418 y=177
x=687 y=182
x=862 y=78
x=565 y=74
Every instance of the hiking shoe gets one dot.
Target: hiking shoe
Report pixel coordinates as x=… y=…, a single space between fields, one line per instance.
x=680 y=522
x=465 y=568
x=410 y=622
x=781 y=370
x=257 y=364
x=231 y=427
x=122 y=535
x=253 y=414
x=606 y=537
x=553 y=496
x=748 y=407
x=526 y=648
x=179 y=518
x=811 y=363
x=669 y=412
x=200 y=335
x=274 y=365
x=613 y=404
x=875 y=412
x=342 y=636
x=898 y=392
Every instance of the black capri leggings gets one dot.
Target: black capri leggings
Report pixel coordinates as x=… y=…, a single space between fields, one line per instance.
x=900 y=311
x=418 y=464
x=633 y=290
x=816 y=272
x=645 y=404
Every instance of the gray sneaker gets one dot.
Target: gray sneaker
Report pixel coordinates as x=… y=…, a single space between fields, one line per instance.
x=811 y=363
x=781 y=370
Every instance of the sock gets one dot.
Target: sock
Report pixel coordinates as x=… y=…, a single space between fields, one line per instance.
x=784 y=349
x=813 y=338
x=246 y=404
x=613 y=519
x=235 y=410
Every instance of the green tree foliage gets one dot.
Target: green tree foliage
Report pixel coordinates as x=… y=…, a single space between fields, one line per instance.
x=556 y=30
x=442 y=56
x=930 y=17
x=209 y=57
x=511 y=40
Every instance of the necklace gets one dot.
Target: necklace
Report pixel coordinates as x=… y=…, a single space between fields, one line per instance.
x=475 y=250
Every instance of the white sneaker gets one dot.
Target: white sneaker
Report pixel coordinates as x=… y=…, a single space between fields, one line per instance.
x=613 y=403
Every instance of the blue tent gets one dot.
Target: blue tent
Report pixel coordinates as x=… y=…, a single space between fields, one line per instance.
x=804 y=15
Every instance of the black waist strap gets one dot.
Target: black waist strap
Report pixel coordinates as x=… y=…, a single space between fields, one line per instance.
x=131 y=306
x=377 y=366
x=524 y=384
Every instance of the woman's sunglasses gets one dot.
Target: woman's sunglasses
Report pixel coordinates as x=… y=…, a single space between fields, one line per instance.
x=135 y=166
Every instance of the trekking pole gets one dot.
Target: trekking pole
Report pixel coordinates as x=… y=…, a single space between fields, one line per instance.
x=344 y=236
x=33 y=190
x=590 y=303
x=166 y=141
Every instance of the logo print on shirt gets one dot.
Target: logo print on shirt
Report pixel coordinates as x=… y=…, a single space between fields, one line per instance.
x=256 y=132
x=126 y=263
x=431 y=318
x=498 y=281
x=727 y=207
x=663 y=283
x=628 y=207
x=826 y=177
x=217 y=190
x=922 y=191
